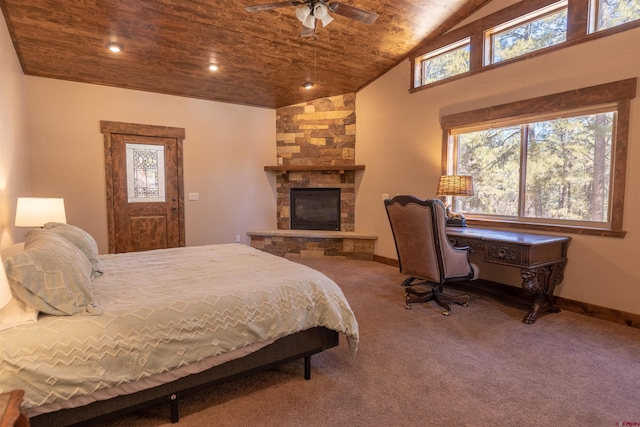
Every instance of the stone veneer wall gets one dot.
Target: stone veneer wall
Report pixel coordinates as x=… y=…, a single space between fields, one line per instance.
x=317 y=133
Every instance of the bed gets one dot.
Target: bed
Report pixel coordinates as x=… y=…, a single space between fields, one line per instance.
x=155 y=326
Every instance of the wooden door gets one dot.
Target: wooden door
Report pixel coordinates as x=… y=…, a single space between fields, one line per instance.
x=144 y=191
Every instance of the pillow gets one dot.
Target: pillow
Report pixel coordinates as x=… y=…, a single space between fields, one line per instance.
x=52 y=275
x=16 y=313
x=81 y=239
x=10 y=250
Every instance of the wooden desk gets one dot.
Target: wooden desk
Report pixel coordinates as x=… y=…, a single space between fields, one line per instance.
x=10 y=413
x=541 y=259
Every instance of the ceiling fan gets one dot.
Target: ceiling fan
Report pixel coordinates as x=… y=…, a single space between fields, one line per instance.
x=311 y=11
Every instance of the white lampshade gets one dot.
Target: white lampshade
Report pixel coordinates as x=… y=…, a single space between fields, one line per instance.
x=321 y=12
x=5 y=290
x=302 y=13
x=305 y=16
x=37 y=211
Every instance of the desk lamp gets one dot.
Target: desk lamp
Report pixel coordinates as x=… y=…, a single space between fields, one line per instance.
x=455 y=186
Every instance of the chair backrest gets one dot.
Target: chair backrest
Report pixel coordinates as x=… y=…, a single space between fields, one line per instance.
x=424 y=250
x=415 y=234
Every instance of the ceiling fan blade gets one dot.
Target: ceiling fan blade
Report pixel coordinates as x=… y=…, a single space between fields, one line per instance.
x=309 y=32
x=352 y=12
x=270 y=6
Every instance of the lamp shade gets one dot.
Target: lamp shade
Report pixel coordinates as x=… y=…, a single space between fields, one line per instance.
x=37 y=211
x=5 y=290
x=305 y=16
x=455 y=185
x=321 y=12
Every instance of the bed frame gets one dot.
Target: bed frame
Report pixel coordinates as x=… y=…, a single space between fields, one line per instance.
x=299 y=345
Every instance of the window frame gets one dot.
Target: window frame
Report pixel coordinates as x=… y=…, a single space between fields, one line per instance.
x=594 y=17
x=419 y=62
x=489 y=45
x=619 y=93
x=579 y=30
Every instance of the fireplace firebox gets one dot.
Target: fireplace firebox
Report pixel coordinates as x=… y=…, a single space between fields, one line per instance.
x=315 y=209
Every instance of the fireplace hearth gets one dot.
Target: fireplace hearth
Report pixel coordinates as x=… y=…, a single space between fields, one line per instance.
x=315 y=209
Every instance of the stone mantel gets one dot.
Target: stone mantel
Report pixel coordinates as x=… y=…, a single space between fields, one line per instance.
x=309 y=168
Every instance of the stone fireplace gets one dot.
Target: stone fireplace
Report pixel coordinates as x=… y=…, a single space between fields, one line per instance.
x=315 y=144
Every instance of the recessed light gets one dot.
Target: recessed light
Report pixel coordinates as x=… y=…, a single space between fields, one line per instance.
x=115 y=47
x=213 y=67
x=307 y=85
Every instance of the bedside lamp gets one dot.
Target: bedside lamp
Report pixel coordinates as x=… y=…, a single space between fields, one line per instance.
x=37 y=211
x=455 y=186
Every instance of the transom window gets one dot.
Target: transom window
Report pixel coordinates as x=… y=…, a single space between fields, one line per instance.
x=537 y=30
x=554 y=162
x=611 y=13
x=519 y=31
x=440 y=64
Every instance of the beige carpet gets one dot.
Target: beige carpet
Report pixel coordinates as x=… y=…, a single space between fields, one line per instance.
x=481 y=366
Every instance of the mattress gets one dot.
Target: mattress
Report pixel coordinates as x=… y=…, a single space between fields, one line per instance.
x=165 y=310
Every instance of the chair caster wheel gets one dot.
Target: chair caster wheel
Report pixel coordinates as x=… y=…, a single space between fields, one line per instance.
x=445 y=313
x=465 y=304
x=407 y=307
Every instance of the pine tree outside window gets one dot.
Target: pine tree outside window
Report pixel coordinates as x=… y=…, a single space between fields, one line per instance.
x=555 y=162
x=545 y=170
x=443 y=63
x=611 y=13
x=542 y=28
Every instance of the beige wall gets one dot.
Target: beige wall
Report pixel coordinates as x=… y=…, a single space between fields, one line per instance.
x=399 y=141
x=225 y=150
x=14 y=149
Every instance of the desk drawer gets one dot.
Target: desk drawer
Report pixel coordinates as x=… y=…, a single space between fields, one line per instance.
x=502 y=253
x=474 y=244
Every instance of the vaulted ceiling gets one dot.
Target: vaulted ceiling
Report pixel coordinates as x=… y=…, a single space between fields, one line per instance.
x=262 y=57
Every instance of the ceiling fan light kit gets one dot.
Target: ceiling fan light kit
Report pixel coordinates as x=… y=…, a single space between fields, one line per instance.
x=310 y=10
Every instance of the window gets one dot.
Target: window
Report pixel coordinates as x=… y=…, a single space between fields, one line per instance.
x=440 y=64
x=145 y=172
x=521 y=30
x=543 y=28
x=556 y=170
x=611 y=13
x=537 y=164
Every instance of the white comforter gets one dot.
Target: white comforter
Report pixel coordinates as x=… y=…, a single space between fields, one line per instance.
x=165 y=309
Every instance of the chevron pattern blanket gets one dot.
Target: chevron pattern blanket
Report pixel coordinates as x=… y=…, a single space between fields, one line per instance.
x=165 y=309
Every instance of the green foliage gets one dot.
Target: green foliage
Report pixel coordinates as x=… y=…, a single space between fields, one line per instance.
x=564 y=166
x=445 y=65
x=617 y=12
x=546 y=31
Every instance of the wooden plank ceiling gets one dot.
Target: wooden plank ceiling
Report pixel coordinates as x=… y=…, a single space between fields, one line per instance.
x=263 y=60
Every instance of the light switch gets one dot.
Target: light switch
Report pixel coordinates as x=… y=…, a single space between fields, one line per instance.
x=194 y=196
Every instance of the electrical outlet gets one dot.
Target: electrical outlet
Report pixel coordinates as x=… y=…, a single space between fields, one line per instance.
x=194 y=196
x=237 y=238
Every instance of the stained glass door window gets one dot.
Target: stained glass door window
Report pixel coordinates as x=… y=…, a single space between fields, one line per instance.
x=145 y=173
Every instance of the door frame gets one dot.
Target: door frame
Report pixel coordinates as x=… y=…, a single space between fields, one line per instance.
x=108 y=128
